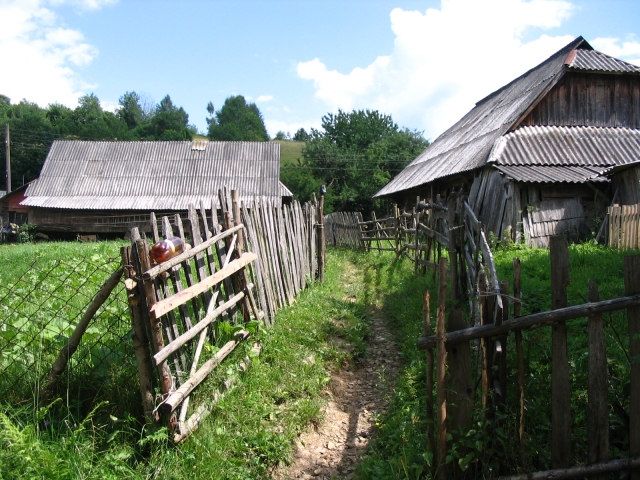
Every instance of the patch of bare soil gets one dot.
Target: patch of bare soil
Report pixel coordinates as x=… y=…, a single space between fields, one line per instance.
x=357 y=395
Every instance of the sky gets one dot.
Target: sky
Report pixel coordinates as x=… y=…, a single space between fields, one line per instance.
x=425 y=63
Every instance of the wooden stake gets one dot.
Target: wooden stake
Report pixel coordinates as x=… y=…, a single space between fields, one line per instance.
x=632 y=287
x=321 y=240
x=426 y=331
x=560 y=386
x=598 y=416
x=441 y=371
x=517 y=310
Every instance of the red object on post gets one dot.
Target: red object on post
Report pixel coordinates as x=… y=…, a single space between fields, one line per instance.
x=166 y=249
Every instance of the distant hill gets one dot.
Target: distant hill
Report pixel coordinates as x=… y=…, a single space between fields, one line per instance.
x=290 y=151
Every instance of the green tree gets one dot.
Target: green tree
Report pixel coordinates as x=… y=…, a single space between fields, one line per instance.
x=301 y=135
x=168 y=123
x=237 y=120
x=131 y=110
x=355 y=154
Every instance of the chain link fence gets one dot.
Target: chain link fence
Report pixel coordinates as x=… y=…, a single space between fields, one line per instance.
x=39 y=309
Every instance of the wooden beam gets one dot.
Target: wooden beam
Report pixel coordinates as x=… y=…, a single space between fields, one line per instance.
x=168 y=304
x=535 y=320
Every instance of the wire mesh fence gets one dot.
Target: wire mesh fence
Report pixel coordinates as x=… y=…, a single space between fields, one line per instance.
x=40 y=306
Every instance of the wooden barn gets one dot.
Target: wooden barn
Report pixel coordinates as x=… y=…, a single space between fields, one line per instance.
x=110 y=186
x=536 y=156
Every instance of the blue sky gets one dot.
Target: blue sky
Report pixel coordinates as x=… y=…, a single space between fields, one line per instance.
x=424 y=62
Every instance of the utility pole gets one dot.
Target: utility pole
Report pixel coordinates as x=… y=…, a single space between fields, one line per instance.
x=8 y=156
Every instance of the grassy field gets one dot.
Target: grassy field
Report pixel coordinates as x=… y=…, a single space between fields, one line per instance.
x=252 y=429
x=290 y=151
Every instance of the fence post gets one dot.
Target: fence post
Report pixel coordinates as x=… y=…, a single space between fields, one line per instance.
x=517 y=310
x=560 y=386
x=598 y=413
x=441 y=370
x=321 y=243
x=459 y=385
x=139 y=336
x=426 y=331
x=632 y=287
x=451 y=236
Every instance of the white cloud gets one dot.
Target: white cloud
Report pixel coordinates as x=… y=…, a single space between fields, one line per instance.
x=275 y=126
x=628 y=50
x=264 y=98
x=43 y=55
x=444 y=60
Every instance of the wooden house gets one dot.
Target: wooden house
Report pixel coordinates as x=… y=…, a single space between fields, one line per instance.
x=111 y=186
x=536 y=156
x=11 y=211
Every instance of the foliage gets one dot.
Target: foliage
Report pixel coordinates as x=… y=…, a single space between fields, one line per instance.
x=355 y=155
x=237 y=120
x=301 y=135
x=282 y=135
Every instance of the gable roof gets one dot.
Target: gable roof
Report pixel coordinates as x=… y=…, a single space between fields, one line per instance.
x=154 y=175
x=467 y=144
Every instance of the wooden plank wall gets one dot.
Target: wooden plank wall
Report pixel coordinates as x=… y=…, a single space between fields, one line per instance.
x=590 y=100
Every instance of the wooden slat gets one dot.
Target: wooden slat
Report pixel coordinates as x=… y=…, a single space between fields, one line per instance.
x=172 y=302
x=598 y=415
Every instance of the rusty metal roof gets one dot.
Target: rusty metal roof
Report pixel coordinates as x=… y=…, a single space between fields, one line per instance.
x=466 y=145
x=154 y=175
x=594 y=61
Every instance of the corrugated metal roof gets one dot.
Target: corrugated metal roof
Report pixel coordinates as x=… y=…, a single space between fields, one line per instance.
x=284 y=191
x=594 y=61
x=466 y=145
x=153 y=175
x=577 y=146
x=552 y=173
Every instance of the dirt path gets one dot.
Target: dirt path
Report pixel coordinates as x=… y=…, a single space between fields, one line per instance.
x=356 y=395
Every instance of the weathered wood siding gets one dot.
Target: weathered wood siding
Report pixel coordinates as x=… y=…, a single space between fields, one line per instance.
x=509 y=209
x=597 y=100
x=627 y=183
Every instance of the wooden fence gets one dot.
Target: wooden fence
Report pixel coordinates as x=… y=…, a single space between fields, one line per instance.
x=382 y=234
x=447 y=237
x=241 y=269
x=343 y=229
x=624 y=226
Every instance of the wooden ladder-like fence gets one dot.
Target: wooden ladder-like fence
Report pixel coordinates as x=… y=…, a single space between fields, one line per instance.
x=240 y=270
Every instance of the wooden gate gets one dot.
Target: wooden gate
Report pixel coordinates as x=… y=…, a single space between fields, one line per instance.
x=624 y=226
x=193 y=310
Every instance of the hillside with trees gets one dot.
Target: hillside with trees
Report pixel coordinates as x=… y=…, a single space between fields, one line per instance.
x=354 y=155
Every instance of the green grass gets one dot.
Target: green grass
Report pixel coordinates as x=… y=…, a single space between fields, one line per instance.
x=249 y=432
x=252 y=429
x=290 y=151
